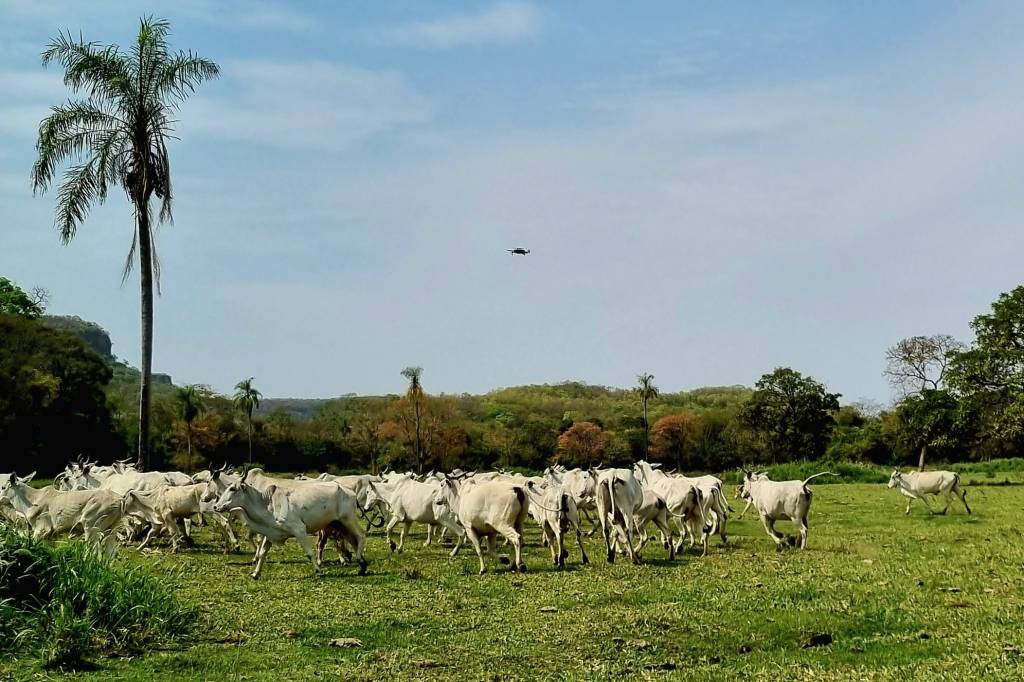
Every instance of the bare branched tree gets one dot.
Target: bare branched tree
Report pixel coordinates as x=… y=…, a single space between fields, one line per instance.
x=919 y=363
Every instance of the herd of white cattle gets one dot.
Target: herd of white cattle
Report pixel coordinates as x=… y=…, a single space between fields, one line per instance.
x=112 y=502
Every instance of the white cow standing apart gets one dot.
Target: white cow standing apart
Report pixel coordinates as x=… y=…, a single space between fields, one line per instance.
x=779 y=500
x=917 y=484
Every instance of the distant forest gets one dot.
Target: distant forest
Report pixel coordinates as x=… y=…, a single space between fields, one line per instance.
x=63 y=394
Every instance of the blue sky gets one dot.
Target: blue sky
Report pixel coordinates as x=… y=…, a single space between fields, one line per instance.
x=710 y=190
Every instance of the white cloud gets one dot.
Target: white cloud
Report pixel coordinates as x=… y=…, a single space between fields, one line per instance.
x=505 y=22
x=305 y=105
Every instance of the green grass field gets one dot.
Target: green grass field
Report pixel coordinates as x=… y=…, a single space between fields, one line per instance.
x=918 y=597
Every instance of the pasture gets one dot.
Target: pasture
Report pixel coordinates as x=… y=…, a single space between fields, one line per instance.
x=918 y=597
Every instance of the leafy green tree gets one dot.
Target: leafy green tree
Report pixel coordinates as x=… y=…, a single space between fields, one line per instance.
x=117 y=134
x=414 y=396
x=989 y=375
x=52 y=402
x=190 y=406
x=14 y=300
x=647 y=391
x=929 y=421
x=792 y=413
x=247 y=399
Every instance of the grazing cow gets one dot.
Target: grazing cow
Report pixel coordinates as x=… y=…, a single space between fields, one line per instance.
x=49 y=512
x=554 y=510
x=409 y=501
x=486 y=509
x=619 y=495
x=163 y=507
x=917 y=484
x=780 y=500
x=277 y=514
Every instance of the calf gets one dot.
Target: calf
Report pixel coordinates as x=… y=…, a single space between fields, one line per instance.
x=780 y=500
x=917 y=484
x=278 y=514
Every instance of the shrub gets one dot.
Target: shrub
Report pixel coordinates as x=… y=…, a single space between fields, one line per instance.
x=64 y=603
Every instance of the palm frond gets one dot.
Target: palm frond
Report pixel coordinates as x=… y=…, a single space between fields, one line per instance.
x=68 y=132
x=77 y=192
x=180 y=76
x=101 y=71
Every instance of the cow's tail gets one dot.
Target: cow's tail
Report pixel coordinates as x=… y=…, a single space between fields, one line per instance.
x=610 y=483
x=810 y=478
x=523 y=507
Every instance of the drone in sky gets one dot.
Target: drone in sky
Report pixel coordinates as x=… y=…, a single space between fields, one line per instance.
x=518 y=251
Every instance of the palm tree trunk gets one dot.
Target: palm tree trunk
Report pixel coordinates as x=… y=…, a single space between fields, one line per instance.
x=146 y=369
x=419 y=442
x=248 y=433
x=920 y=461
x=647 y=451
x=188 y=441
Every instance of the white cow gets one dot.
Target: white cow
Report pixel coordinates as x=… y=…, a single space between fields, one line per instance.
x=685 y=501
x=780 y=500
x=714 y=507
x=277 y=514
x=619 y=495
x=653 y=509
x=163 y=507
x=917 y=484
x=484 y=510
x=409 y=501
x=49 y=512
x=555 y=512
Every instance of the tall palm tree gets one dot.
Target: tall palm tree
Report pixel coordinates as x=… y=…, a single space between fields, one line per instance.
x=247 y=399
x=190 y=407
x=415 y=395
x=647 y=391
x=116 y=134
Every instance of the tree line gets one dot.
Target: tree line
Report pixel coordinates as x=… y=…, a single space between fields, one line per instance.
x=954 y=402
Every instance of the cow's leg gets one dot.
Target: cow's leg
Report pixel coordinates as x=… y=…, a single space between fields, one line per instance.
x=321 y=542
x=341 y=547
x=661 y=523
x=261 y=554
x=354 y=535
x=549 y=533
x=924 y=499
x=769 y=527
x=579 y=541
x=430 y=529
x=474 y=540
x=149 y=536
x=406 y=527
x=962 y=494
x=303 y=540
x=513 y=536
x=803 y=531
x=392 y=522
x=230 y=541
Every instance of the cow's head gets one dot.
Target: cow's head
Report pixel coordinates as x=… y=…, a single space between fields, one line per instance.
x=895 y=479
x=233 y=497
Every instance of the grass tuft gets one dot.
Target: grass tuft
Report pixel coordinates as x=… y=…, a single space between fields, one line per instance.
x=64 y=603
